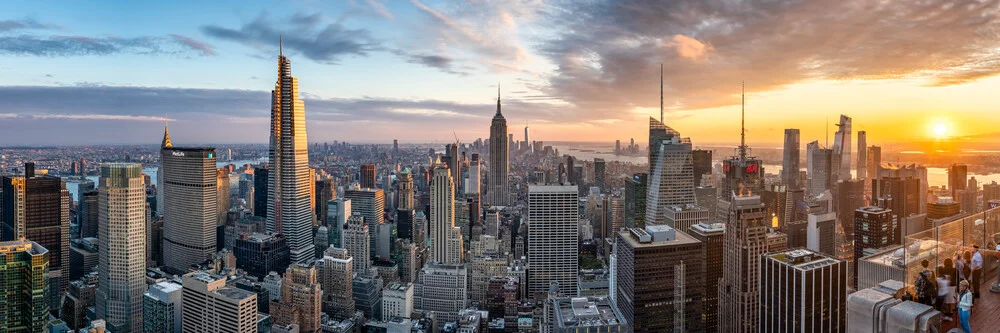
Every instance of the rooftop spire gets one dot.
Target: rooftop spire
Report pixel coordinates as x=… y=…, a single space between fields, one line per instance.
x=281 y=51
x=166 y=135
x=743 y=128
x=661 y=92
x=498 y=98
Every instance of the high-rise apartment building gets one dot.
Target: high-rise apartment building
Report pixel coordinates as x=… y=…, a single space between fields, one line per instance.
x=660 y=279
x=23 y=306
x=261 y=253
x=289 y=203
x=635 y=201
x=874 y=228
x=357 y=241
x=368 y=175
x=336 y=272
x=803 y=291
x=161 y=308
x=671 y=171
x=790 y=159
x=210 y=307
x=745 y=243
x=369 y=203
x=712 y=237
x=553 y=241
x=842 y=148
x=190 y=204
x=498 y=193
x=442 y=219
x=122 y=249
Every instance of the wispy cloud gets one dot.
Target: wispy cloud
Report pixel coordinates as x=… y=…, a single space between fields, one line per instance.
x=204 y=48
x=325 y=43
x=10 y=25
x=74 y=45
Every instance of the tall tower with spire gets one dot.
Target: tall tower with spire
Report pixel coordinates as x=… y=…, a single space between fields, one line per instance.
x=289 y=211
x=743 y=172
x=188 y=201
x=498 y=193
x=671 y=169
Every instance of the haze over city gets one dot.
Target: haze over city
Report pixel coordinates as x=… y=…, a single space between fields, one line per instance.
x=110 y=72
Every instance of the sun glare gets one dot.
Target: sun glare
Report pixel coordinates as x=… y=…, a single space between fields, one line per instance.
x=940 y=130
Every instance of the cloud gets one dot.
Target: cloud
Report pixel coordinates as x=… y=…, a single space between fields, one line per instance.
x=487 y=29
x=73 y=45
x=10 y=25
x=205 y=49
x=444 y=63
x=379 y=8
x=303 y=33
x=607 y=53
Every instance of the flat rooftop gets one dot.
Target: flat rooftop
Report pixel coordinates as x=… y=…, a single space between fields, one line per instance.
x=585 y=312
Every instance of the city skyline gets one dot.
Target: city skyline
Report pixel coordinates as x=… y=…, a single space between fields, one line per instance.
x=394 y=65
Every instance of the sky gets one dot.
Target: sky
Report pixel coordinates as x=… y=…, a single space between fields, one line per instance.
x=99 y=72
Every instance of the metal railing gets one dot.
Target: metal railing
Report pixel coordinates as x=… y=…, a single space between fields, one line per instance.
x=956 y=236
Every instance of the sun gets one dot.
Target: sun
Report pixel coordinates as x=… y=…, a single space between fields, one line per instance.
x=940 y=130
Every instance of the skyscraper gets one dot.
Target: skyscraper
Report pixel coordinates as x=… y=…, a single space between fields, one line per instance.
x=289 y=211
x=189 y=204
x=442 y=289
x=874 y=228
x=527 y=144
x=36 y=207
x=790 y=158
x=671 y=171
x=842 y=148
x=712 y=237
x=335 y=276
x=23 y=306
x=874 y=162
x=357 y=242
x=810 y=148
x=659 y=280
x=958 y=178
x=442 y=219
x=223 y=202
x=325 y=191
x=259 y=254
x=803 y=291
x=743 y=173
x=368 y=176
x=300 y=292
x=122 y=250
x=260 y=191
x=702 y=162
x=862 y=172
x=635 y=201
x=600 y=173
x=369 y=203
x=821 y=178
x=745 y=243
x=499 y=190
x=454 y=162
x=475 y=179
x=553 y=242
x=337 y=212
x=161 y=308
x=404 y=190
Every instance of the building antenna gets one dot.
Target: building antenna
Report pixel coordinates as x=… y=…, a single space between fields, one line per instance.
x=827 y=135
x=661 y=92
x=743 y=128
x=281 y=51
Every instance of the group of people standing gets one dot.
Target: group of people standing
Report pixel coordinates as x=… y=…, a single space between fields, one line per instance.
x=953 y=286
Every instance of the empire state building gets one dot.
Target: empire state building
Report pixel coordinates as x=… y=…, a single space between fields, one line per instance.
x=499 y=191
x=288 y=209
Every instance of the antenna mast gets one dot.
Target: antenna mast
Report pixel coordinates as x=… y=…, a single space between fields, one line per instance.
x=661 y=92
x=743 y=128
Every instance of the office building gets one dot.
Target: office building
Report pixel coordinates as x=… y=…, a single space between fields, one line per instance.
x=404 y=190
x=87 y=213
x=968 y=200
x=862 y=172
x=635 y=201
x=821 y=233
x=454 y=163
x=367 y=292
x=288 y=167
x=874 y=228
x=404 y=223
x=671 y=172
x=682 y=217
x=822 y=168
x=122 y=248
x=842 y=149
x=441 y=289
x=224 y=202
x=600 y=172
x=906 y=185
x=36 y=207
x=442 y=219
x=943 y=208
x=474 y=190
x=552 y=237
x=301 y=293
x=583 y=314
x=991 y=192
x=660 y=279
x=259 y=253
x=260 y=192
x=336 y=272
x=337 y=212
x=79 y=297
x=326 y=190
x=745 y=243
x=23 y=265
x=162 y=305
x=803 y=291
x=702 y=164
x=211 y=307
x=712 y=238
x=397 y=300
x=368 y=176
x=850 y=197
x=369 y=203
x=958 y=178
x=357 y=242
x=790 y=159
x=190 y=204
x=83 y=254
x=498 y=193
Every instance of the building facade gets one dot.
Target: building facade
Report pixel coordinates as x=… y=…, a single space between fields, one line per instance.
x=803 y=291
x=122 y=249
x=23 y=265
x=553 y=242
x=499 y=160
x=190 y=208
